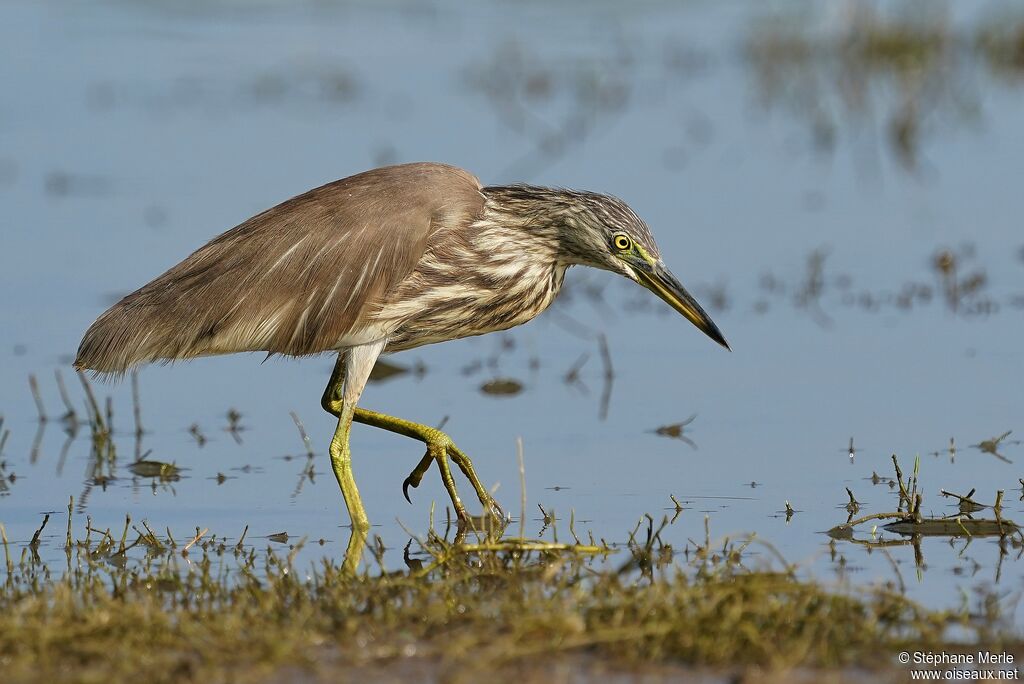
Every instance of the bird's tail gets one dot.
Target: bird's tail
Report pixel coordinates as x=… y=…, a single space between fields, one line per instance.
x=114 y=343
x=128 y=335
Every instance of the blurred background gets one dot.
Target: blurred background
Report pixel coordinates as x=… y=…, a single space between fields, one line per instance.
x=839 y=183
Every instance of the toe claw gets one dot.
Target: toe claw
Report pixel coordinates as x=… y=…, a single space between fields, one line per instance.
x=405 y=488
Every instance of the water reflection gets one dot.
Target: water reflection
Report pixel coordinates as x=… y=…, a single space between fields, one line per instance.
x=913 y=527
x=992 y=445
x=678 y=431
x=881 y=74
x=555 y=106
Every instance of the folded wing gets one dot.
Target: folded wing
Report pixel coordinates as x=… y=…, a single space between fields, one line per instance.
x=295 y=279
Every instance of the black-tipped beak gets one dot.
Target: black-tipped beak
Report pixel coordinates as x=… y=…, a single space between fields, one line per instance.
x=661 y=282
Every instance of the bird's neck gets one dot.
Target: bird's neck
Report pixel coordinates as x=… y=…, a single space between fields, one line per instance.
x=530 y=219
x=515 y=252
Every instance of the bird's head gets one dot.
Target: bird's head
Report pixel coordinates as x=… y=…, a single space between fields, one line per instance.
x=603 y=232
x=592 y=229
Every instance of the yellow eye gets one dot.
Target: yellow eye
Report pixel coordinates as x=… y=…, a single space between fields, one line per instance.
x=622 y=243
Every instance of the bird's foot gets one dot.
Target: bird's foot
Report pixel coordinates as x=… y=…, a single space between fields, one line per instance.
x=488 y=501
x=439 y=447
x=436 y=451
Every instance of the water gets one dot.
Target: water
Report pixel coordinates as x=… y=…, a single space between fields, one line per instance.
x=132 y=133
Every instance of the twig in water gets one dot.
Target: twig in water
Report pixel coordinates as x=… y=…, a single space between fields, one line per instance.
x=7 y=553
x=69 y=540
x=137 y=405
x=572 y=526
x=609 y=375
x=528 y=545
x=96 y=417
x=124 y=535
x=35 y=537
x=197 y=434
x=897 y=515
x=109 y=404
x=37 y=443
x=991 y=446
x=302 y=433
x=34 y=386
x=234 y=427
x=904 y=494
x=548 y=516
x=572 y=376
x=966 y=497
x=198 y=536
x=853 y=506
x=70 y=416
x=522 y=488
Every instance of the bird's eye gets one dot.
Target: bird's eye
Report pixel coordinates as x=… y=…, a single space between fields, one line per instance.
x=622 y=243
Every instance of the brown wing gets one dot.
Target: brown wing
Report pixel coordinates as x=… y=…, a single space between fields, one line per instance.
x=291 y=280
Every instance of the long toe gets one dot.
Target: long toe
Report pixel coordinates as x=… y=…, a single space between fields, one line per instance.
x=498 y=511
x=416 y=476
x=491 y=507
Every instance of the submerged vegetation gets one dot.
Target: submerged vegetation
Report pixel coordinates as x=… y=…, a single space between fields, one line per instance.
x=909 y=520
x=909 y=526
x=137 y=603
x=218 y=609
x=897 y=75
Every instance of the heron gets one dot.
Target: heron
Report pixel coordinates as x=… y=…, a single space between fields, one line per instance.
x=383 y=261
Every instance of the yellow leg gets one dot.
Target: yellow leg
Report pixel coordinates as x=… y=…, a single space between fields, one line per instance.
x=341 y=462
x=354 y=550
x=439 y=448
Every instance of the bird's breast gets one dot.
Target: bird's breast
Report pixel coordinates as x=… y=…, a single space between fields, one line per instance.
x=450 y=303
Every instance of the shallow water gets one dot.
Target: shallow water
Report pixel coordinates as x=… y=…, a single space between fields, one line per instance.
x=807 y=219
